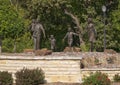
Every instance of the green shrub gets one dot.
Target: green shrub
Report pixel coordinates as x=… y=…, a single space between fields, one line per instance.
x=97 y=78
x=83 y=47
x=30 y=77
x=116 y=78
x=6 y=78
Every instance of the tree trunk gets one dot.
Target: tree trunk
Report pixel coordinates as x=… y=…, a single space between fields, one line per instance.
x=76 y=21
x=11 y=2
x=14 y=49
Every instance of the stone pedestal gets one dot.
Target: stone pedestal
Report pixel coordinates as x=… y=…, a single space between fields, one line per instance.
x=72 y=49
x=58 y=67
x=43 y=52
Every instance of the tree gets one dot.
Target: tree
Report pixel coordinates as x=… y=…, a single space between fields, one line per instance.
x=51 y=13
x=55 y=20
x=12 y=25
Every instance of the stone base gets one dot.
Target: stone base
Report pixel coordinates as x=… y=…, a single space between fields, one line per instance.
x=60 y=66
x=111 y=51
x=43 y=52
x=29 y=51
x=72 y=49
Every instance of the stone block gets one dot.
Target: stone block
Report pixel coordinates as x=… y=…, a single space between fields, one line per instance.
x=28 y=51
x=72 y=49
x=43 y=52
x=111 y=51
x=57 y=69
x=3 y=62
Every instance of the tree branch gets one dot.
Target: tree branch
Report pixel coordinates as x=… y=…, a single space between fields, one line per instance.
x=76 y=21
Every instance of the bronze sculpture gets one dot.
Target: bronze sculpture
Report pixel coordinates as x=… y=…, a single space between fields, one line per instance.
x=69 y=35
x=79 y=28
x=52 y=42
x=37 y=30
x=91 y=33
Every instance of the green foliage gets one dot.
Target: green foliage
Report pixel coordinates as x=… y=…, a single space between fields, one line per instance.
x=83 y=47
x=30 y=77
x=16 y=15
x=25 y=42
x=116 y=78
x=12 y=26
x=97 y=78
x=51 y=13
x=7 y=45
x=6 y=78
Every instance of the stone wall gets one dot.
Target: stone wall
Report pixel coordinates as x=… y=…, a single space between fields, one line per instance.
x=109 y=71
x=58 y=67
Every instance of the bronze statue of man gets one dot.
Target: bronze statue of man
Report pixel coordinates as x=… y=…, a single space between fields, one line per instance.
x=37 y=29
x=69 y=35
x=52 y=42
x=91 y=33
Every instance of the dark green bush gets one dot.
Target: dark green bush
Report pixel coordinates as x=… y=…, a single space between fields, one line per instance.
x=6 y=78
x=116 y=78
x=30 y=77
x=97 y=78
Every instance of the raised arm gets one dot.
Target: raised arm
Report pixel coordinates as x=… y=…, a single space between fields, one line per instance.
x=75 y=34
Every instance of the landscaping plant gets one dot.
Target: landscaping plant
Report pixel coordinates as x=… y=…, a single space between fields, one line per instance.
x=30 y=77
x=116 y=78
x=97 y=78
x=6 y=78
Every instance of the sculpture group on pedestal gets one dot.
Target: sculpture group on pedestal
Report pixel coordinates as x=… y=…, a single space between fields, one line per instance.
x=37 y=31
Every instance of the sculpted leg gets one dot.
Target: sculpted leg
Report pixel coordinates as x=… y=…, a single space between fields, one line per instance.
x=91 y=46
x=35 y=45
x=38 y=42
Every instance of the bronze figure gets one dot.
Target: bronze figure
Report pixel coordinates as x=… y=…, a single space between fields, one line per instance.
x=76 y=21
x=91 y=33
x=52 y=42
x=37 y=29
x=69 y=35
